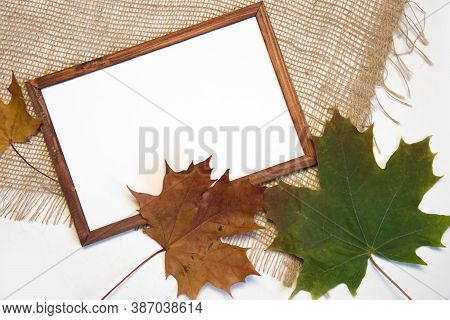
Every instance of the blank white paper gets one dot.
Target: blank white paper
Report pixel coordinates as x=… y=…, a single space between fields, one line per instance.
x=223 y=79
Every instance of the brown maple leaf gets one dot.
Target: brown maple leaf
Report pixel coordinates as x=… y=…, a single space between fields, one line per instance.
x=16 y=125
x=188 y=219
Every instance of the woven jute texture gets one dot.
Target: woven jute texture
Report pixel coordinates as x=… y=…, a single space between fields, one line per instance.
x=335 y=51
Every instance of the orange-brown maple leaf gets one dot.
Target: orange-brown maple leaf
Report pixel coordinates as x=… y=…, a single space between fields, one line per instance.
x=188 y=219
x=16 y=125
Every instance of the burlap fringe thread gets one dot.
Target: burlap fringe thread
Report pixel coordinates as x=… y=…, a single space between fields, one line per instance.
x=22 y=205
x=50 y=208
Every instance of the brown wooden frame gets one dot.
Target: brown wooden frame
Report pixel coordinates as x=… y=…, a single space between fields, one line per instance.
x=35 y=86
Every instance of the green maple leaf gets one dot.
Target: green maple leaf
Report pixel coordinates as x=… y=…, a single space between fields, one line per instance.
x=360 y=210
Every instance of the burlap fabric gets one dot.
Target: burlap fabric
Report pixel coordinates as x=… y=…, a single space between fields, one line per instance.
x=335 y=51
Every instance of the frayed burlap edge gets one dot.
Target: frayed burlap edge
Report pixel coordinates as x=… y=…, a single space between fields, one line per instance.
x=42 y=203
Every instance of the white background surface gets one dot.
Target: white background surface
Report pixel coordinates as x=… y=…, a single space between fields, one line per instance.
x=222 y=78
x=30 y=252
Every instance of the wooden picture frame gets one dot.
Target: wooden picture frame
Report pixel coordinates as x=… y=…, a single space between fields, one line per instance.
x=35 y=86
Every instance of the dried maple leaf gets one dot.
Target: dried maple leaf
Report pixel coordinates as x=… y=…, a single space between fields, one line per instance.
x=16 y=125
x=360 y=210
x=188 y=218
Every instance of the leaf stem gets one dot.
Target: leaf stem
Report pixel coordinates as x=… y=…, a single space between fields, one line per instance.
x=389 y=278
x=131 y=273
x=29 y=164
